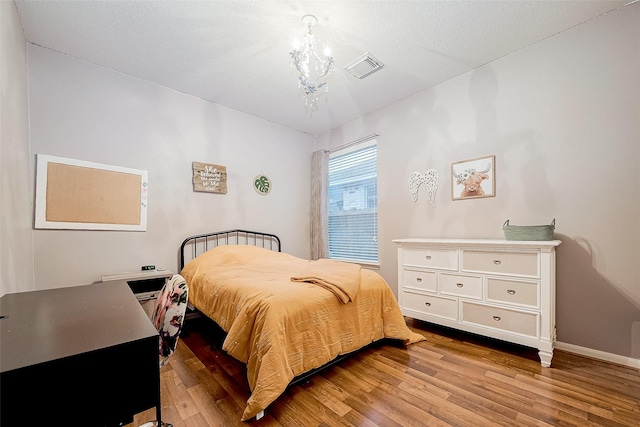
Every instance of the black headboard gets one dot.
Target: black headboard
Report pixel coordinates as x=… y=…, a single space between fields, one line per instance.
x=196 y=245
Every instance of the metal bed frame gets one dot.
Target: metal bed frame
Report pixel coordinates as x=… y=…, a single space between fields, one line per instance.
x=201 y=243
x=195 y=245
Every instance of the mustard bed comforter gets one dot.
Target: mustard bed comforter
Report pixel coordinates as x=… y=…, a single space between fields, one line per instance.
x=285 y=315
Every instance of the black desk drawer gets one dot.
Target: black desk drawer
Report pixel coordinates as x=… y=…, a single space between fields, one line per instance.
x=146 y=285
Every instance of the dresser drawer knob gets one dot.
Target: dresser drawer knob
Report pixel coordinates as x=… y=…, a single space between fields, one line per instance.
x=497 y=318
x=428 y=257
x=511 y=291
x=428 y=304
x=418 y=279
x=459 y=285
x=497 y=261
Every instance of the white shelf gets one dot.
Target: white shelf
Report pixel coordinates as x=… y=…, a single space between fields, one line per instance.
x=137 y=275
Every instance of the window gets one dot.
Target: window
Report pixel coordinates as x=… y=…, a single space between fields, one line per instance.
x=353 y=204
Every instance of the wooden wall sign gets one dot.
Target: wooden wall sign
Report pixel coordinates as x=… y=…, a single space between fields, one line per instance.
x=209 y=178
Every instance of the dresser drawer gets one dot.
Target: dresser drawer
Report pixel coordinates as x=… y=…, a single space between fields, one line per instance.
x=461 y=285
x=517 y=263
x=431 y=305
x=417 y=279
x=519 y=322
x=513 y=292
x=446 y=259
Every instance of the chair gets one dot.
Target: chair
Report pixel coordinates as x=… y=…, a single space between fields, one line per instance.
x=168 y=318
x=169 y=314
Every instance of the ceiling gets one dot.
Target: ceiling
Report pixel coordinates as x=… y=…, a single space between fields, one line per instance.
x=236 y=53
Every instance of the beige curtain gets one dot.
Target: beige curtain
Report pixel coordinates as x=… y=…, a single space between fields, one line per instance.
x=319 y=204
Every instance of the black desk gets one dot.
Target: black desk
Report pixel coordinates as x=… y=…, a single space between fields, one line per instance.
x=79 y=356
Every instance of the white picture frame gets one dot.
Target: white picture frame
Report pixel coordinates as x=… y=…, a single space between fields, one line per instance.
x=474 y=178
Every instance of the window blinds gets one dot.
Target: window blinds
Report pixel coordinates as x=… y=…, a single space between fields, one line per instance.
x=353 y=204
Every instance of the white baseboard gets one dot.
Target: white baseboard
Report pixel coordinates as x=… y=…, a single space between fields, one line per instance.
x=597 y=354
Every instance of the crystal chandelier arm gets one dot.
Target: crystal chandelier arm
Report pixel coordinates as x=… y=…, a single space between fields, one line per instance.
x=295 y=60
x=327 y=65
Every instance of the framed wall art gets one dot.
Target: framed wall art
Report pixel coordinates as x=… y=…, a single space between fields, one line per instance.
x=474 y=178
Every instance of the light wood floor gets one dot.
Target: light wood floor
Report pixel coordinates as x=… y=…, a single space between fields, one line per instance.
x=452 y=379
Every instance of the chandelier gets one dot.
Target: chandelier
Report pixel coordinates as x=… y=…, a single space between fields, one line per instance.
x=313 y=69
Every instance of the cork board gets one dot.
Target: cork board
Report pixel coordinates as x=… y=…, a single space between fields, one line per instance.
x=73 y=194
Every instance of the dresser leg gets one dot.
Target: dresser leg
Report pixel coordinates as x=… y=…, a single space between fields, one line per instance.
x=545 y=357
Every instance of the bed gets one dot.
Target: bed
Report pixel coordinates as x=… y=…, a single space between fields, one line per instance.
x=285 y=316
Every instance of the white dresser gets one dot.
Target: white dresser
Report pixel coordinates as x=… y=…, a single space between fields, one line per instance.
x=497 y=288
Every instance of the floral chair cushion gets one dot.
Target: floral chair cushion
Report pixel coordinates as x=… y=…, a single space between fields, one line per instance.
x=168 y=316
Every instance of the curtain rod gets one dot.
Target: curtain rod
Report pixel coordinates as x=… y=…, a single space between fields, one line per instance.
x=352 y=143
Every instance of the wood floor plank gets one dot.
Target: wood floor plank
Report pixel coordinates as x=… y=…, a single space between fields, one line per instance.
x=179 y=396
x=325 y=392
x=402 y=411
x=207 y=405
x=605 y=422
x=581 y=363
x=329 y=387
x=518 y=400
x=143 y=417
x=370 y=372
x=629 y=418
x=443 y=409
x=476 y=380
x=463 y=394
x=536 y=394
x=231 y=408
x=346 y=380
x=415 y=355
x=581 y=392
x=309 y=404
x=526 y=420
x=452 y=379
x=186 y=366
x=354 y=418
x=170 y=395
x=239 y=391
x=557 y=416
x=367 y=411
x=196 y=420
x=585 y=383
x=296 y=408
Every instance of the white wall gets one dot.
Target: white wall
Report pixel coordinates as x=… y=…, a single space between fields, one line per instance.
x=562 y=118
x=82 y=111
x=16 y=255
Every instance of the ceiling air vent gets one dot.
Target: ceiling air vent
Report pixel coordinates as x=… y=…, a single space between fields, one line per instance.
x=365 y=65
